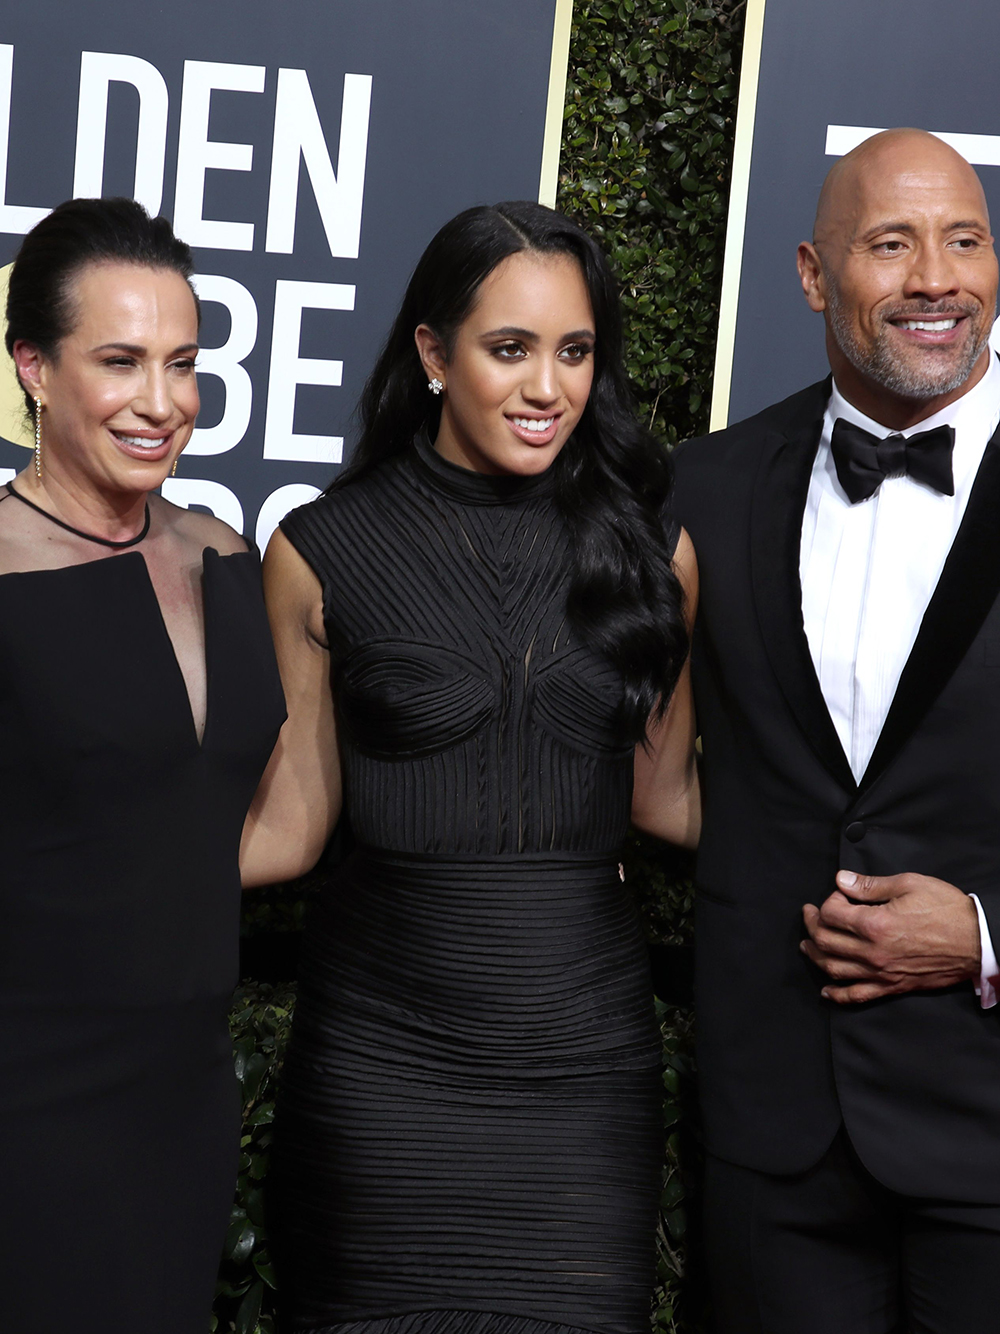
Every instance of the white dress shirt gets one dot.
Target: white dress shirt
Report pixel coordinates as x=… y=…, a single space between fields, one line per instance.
x=868 y=572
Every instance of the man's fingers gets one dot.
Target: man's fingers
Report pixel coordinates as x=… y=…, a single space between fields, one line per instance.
x=839 y=966
x=821 y=929
x=871 y=888
x=859 y=992
x=891 y=934
x=838 y=913
x=840 y=944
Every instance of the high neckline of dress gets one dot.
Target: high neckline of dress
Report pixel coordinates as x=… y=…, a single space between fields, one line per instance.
x=476 y=488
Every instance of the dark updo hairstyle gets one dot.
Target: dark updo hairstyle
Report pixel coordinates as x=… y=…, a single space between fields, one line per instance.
x=77 y=233
x=612 y=477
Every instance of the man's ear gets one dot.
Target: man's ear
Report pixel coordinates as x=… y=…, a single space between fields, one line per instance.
x=431 y=351
x=811 y=276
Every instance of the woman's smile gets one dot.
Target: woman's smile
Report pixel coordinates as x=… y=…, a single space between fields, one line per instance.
x=534 y=430
x=143 y=444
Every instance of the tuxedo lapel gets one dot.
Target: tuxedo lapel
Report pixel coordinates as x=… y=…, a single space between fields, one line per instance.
x=775 y=537
x=967 y=589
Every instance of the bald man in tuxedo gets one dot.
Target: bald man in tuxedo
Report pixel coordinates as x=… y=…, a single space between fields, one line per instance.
x=847 y=679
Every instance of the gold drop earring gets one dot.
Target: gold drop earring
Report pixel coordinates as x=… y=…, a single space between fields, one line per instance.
x=173 y=470
x=38 y=438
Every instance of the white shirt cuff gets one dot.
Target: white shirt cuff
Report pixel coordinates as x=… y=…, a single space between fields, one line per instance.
x=989 y=971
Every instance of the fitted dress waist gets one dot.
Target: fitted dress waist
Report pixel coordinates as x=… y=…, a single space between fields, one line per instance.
x=534 y=959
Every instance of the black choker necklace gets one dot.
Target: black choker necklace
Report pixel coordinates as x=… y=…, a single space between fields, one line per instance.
x=102 y=541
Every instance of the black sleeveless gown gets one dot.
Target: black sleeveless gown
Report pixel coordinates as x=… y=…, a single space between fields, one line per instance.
x=119 y=918
x=469 y=1129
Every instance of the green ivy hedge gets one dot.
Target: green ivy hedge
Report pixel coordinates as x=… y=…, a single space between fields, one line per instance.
x=260 y=1021
x=647 y=142
x=649 y=122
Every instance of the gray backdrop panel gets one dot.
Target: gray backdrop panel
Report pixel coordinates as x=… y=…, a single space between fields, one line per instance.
x=853 y=62
x=457 y=118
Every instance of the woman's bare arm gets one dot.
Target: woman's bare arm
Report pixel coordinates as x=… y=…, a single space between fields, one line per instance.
x=298 y=802
x=666 y=799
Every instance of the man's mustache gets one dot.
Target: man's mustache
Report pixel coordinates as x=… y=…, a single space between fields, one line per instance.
x=917 y=310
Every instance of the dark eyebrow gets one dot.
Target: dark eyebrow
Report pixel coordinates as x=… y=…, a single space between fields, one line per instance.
x=138 y=351
x=975 y=225
x=886 y=227
x=509 y=331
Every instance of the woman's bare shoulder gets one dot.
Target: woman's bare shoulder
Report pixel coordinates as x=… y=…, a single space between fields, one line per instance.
x=201 y=530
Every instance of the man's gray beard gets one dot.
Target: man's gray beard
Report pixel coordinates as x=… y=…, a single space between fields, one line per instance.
x=881 y=364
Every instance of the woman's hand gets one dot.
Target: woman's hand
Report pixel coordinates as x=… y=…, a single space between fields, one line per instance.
x=666 y=799
x=298 y=802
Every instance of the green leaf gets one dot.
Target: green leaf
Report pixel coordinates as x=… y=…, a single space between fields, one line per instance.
x=243 y=1245
x=265 y=1269
x=254 y=1070
x=676 y=1221
x=249 y=1312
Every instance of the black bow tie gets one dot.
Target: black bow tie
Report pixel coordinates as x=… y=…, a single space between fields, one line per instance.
x=863 y=460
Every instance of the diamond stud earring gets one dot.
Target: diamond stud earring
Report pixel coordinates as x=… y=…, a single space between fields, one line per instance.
x=435 y=386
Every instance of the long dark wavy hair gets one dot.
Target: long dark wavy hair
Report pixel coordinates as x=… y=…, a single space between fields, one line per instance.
x=612 y=478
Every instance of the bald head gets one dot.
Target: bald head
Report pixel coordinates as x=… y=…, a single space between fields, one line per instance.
x=879 y=169
x=903 y=270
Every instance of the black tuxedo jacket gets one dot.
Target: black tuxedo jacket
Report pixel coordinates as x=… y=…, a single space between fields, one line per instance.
x=915 y=1078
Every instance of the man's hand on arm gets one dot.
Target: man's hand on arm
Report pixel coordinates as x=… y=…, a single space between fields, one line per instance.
x=884 y=935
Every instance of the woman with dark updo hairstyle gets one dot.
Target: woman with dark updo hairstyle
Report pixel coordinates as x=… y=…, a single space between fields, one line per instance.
x=139 y=701
x=482 y=634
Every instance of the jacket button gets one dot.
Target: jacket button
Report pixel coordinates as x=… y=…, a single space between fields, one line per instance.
x=855 y=832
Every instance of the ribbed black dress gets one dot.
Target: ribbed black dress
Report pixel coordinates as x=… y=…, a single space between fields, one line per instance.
x=469 y=1130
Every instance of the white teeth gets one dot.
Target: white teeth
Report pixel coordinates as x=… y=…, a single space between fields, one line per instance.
x=139 y=440
x=933 y=325
x=533 y=423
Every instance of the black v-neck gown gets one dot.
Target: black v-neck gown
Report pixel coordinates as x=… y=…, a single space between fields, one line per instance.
x=119 y=904
x=469 y=1134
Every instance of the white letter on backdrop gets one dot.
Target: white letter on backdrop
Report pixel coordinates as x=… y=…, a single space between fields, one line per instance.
x=188 y=491
x=277 y=505
x=196 y=153
x=288 y=369
x=99 y=69
x=17 y=218
x=225 y=361
x=298 y=132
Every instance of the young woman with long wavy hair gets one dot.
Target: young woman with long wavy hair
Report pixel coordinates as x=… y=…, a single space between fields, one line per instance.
x=481 y=627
